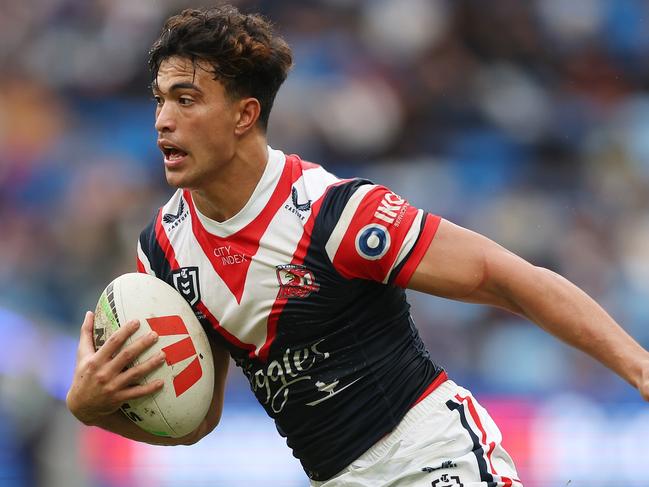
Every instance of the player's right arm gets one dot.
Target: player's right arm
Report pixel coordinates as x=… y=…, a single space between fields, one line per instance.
x=102 y=383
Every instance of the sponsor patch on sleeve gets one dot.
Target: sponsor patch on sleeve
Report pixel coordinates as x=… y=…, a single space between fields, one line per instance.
x=374 y=233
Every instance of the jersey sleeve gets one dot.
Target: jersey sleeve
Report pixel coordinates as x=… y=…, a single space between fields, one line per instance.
x=379 y=236
x=146 y=249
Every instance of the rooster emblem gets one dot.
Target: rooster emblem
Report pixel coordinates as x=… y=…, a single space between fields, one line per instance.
x=295 y=281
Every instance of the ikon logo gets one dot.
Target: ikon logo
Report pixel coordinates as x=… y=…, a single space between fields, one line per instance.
x=179 y=351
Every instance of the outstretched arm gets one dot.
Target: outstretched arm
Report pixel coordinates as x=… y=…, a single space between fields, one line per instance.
x=101 y=384
x=463 y=265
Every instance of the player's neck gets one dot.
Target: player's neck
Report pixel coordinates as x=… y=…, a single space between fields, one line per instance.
x=225 y=196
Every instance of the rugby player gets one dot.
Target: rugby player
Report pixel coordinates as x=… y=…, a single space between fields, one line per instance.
x=299 y=276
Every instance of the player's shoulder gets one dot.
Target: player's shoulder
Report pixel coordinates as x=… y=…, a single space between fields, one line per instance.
x=359 y=199
x=350 y=192
x=311 y=174
x=172 y=213
x=317 y=178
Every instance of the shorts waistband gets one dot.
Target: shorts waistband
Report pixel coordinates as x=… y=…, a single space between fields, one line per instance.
x=422 y=408
x=437 y=381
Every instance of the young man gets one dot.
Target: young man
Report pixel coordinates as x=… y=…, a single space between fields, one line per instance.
x=300 y=278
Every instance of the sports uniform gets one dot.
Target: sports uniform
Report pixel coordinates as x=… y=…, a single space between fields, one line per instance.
x=304 y=286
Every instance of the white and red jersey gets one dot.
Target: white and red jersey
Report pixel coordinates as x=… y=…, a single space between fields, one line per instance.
x=304 y=286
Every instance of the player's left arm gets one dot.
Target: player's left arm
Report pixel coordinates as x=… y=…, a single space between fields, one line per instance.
x=463 y=265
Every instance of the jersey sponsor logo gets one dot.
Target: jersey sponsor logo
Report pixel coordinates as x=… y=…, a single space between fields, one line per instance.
x=295 y=281
x=178 y=351
x=272 y=383
x=330 y=390
x=174 y=219
x=391 y=209
x=230 y=256
x=372 y=241
x=447 y=480
x=185 y=280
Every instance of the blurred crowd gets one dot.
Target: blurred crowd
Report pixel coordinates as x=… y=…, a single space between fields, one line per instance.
x=526 y=121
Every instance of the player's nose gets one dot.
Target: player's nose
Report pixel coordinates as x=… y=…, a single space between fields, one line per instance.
x=164 y=120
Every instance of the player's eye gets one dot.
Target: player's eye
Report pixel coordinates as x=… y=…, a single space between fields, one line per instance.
x=184 y=100
x=157 y=99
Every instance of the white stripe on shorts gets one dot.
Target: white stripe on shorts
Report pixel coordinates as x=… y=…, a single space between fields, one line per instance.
x=446 y=440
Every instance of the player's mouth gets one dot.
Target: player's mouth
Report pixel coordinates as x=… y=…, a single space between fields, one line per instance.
x=174 y=155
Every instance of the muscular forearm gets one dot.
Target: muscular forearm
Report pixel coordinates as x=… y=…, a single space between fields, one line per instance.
x=567 y=312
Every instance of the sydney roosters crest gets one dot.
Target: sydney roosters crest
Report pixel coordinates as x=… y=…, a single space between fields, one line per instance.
x=295 y=281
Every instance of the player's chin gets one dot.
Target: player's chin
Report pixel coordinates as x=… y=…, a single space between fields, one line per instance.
x=177 y=179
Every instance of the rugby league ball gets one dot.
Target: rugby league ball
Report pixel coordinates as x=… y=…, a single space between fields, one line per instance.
x=188 y=372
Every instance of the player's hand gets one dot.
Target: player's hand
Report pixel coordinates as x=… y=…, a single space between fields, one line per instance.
x=102 y=382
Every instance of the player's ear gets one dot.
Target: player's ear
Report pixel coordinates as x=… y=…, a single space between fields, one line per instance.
x=249 y=110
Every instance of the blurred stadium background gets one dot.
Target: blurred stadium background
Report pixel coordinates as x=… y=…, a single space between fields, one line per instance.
x=527 y=121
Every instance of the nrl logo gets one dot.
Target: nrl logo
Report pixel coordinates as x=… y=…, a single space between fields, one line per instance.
x=295 y=281
x=185 y=281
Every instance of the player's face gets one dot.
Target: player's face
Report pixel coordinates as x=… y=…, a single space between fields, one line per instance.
x=195 y=120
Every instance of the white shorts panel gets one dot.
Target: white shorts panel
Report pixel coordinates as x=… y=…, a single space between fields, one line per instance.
x=447 y=440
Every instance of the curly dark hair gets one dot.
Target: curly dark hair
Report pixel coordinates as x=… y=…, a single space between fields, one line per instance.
x=242 y=50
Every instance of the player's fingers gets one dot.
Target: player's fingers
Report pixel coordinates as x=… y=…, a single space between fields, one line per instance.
x=128 y=354
x=135 y=374
x=140 y=390
x=117 y=340
x=86 y=344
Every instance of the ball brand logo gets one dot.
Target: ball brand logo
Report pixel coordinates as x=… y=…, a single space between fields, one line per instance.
x=178 y=351
x=372 y=241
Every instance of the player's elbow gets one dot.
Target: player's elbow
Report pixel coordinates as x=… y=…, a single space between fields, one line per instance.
x=208 y=425
x=191 y=439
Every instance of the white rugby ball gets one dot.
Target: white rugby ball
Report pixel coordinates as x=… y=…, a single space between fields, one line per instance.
x=188 y=371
